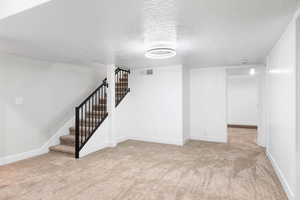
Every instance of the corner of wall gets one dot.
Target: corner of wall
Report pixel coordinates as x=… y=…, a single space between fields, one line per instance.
x=279 y=173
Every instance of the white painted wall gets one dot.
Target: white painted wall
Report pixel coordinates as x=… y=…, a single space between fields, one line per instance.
x=243 y=100
x=50 y=92
x=282 y=108
x=125 y=118
x=298 y=106
x=186 y=109
x=262 y=108
x=153 y=109
x=122 y=120
x=208 y=104
x=156 y=104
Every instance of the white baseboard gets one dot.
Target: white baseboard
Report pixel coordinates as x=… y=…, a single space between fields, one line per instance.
x=122 y=139
x=281 y=177
x=174 y=142
x=209 y=139
x=54 y=140
x=99 y=147
x=185 y=140
x=21 y=156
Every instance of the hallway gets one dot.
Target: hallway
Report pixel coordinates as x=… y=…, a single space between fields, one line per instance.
x=242 y=136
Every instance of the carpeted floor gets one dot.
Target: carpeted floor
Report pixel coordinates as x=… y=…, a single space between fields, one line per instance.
x=136 y=170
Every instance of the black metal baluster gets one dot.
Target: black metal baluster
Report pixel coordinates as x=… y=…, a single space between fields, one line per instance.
x=95 y=102
x=121 y=74
x=100 y=96
x=98 y=101
x=85 y=124
x=87 y=119
x=117 y=80
x=127 y=75
x=119 y=85
x=96 y=117
x=80 y=132
x=77 y=132
x=94 y=113
x=105 y=98
x=102 y=105
x=120 y=88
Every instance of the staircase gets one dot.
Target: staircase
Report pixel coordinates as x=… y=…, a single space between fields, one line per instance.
x=90 y=114
x=121 y=84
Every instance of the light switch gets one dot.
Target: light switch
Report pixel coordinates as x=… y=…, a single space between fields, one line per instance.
x=19 y=100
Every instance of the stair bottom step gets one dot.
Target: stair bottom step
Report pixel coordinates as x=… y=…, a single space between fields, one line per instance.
x=68 y=140
x=63 y=149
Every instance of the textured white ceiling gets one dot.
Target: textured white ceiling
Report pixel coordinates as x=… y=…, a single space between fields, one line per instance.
x=12 y=7
x=205 y=32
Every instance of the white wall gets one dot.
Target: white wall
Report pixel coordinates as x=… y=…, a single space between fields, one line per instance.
x=208 y=104
x=153 y=109
x=50 y=92
x=298 y=105
x=125 y=119
x=122 y=119
x=186 y=96
x=262 y=108
x=157 y=105
x=282 y=109
x=243 y=100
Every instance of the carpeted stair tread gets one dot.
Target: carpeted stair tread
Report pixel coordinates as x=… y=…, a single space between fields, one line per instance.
x=122 y=80
x=121 y=84
x=81 y=129
x=89 y=121
x=68 y=140
x=103 y=100
x=63 y=149
x=100 y=107
x=98 y=114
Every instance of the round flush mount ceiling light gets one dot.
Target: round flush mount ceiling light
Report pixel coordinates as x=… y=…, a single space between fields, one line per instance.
x=160 y=53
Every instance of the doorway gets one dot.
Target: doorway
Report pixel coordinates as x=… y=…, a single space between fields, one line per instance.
x=244 y=104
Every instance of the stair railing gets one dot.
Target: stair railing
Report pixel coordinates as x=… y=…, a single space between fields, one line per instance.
x=121 y=84
x=89 y=115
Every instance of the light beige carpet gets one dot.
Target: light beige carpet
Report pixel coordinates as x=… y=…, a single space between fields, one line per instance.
x=135 y=170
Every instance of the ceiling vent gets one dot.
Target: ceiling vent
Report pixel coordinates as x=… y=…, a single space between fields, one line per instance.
x=149 y=72
x=244 y=61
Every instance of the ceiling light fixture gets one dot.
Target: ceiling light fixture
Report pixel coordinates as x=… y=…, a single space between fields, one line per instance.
x=252 y=71
x=160 y=53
